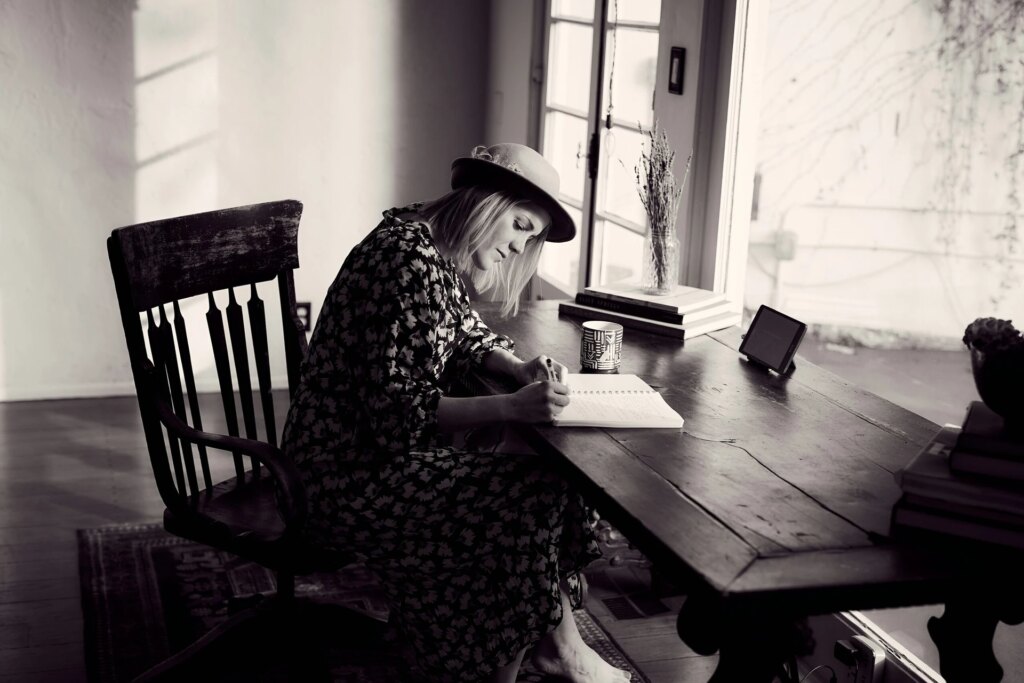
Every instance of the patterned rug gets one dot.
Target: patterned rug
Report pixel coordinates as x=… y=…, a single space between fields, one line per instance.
x=147 y=594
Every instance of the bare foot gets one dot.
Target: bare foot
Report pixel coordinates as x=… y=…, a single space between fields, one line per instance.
x=575 y=662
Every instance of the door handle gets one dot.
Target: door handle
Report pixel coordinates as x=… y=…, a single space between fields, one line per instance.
x=592 y=156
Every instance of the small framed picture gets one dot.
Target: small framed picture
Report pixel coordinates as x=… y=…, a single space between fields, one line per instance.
x=772 y=339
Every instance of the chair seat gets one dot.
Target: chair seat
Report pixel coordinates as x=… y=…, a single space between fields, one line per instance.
x=243 y=519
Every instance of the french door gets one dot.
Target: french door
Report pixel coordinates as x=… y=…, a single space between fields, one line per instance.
x=601 y=66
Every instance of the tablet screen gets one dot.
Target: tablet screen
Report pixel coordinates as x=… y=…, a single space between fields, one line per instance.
x=772 y=338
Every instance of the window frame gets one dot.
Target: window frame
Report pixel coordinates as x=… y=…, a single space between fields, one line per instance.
x=722 y=39
x=591 y=239
x=587 y=204
x=732 y=46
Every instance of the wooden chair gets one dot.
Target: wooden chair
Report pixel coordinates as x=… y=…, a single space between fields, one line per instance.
x=258 y=513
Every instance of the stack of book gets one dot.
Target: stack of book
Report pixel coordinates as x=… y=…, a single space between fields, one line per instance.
x=968 y=482
x=685 y=313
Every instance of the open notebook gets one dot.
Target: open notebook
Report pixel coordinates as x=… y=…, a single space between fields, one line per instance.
x=615 y=401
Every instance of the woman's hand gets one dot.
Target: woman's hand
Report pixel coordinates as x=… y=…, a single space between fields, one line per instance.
x=538 y=402
x=540 y=368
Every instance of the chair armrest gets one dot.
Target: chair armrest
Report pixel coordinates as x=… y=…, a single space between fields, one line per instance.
x=291 y=496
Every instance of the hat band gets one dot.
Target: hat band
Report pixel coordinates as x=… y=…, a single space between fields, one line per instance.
x=483 y=152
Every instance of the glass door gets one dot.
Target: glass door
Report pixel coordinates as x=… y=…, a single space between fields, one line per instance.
x=590 y=132
x=568 y=120
x=627 y=104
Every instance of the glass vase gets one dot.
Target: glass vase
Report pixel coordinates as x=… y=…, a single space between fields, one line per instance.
x=660 y=270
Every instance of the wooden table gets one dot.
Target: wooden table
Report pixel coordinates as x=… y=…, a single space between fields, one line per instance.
x=771 y=504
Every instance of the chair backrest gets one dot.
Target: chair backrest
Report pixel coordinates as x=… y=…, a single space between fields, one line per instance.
x=161 y=263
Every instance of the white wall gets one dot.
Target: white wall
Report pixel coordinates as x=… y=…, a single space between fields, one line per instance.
x=115 y=114
x=66 y=178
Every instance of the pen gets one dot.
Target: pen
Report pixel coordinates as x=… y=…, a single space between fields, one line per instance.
x=562 y=375
x=551 y=372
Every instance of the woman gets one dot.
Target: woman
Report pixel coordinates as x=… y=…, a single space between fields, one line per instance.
x=479 y=552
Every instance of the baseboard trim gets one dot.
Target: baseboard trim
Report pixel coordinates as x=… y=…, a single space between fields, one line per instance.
x=101 y=390
x=61 y=391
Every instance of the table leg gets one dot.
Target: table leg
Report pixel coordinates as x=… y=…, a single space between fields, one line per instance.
x=964 y=632
x=753 y=645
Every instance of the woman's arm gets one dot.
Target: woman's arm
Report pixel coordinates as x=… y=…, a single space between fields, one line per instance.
x=536 y=402
x=456 y=414
x=501 y=362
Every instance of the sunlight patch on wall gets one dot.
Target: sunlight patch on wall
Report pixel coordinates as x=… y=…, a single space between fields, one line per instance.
x=176 y=92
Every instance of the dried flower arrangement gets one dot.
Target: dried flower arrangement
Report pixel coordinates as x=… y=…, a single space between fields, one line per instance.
x=660 y=196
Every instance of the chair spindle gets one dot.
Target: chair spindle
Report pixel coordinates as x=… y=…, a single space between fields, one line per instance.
x=261 y=354
x=177 y=398
x=156 y=346
x=215 y=323
x=236 y=329
x=185 y=354
x=294 y=333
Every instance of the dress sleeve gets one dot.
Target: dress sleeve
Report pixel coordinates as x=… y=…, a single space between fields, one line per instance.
x=478 y=340
x=397 y=383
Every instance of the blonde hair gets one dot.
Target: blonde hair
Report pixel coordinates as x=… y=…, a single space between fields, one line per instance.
x=460 y=222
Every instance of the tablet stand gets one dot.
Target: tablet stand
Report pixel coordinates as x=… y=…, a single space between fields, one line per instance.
x=763 y=366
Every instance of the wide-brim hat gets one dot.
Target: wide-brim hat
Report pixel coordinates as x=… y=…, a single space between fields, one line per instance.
x=520 y=171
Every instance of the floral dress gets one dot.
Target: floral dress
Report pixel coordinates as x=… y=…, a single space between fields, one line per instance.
x=470 y=546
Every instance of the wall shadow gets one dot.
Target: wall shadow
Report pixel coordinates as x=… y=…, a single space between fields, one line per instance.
x=440 y=92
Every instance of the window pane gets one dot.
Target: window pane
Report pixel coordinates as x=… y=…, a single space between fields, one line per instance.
x=569 y=65
x=635 y=10
x=621 y=254
x=885 y=204
x=618 y=193
x=578 y=9
x=560 y=261
x=632 y=82
x=564 y=137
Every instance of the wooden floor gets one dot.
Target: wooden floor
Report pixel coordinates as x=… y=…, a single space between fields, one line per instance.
x=66 y=465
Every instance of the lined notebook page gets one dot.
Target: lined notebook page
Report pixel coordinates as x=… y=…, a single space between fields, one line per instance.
x=615 y=401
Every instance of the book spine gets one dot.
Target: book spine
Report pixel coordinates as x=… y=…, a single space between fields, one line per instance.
x=967 y=492
x=945 y=506
x=630 y=308
x=571 y=309
x=679 y=305
x=989 y=446
x=906 y=517
x=625 y=299
x=962 y=462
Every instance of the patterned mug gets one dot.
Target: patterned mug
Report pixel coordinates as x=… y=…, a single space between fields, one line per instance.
x=601 y=346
